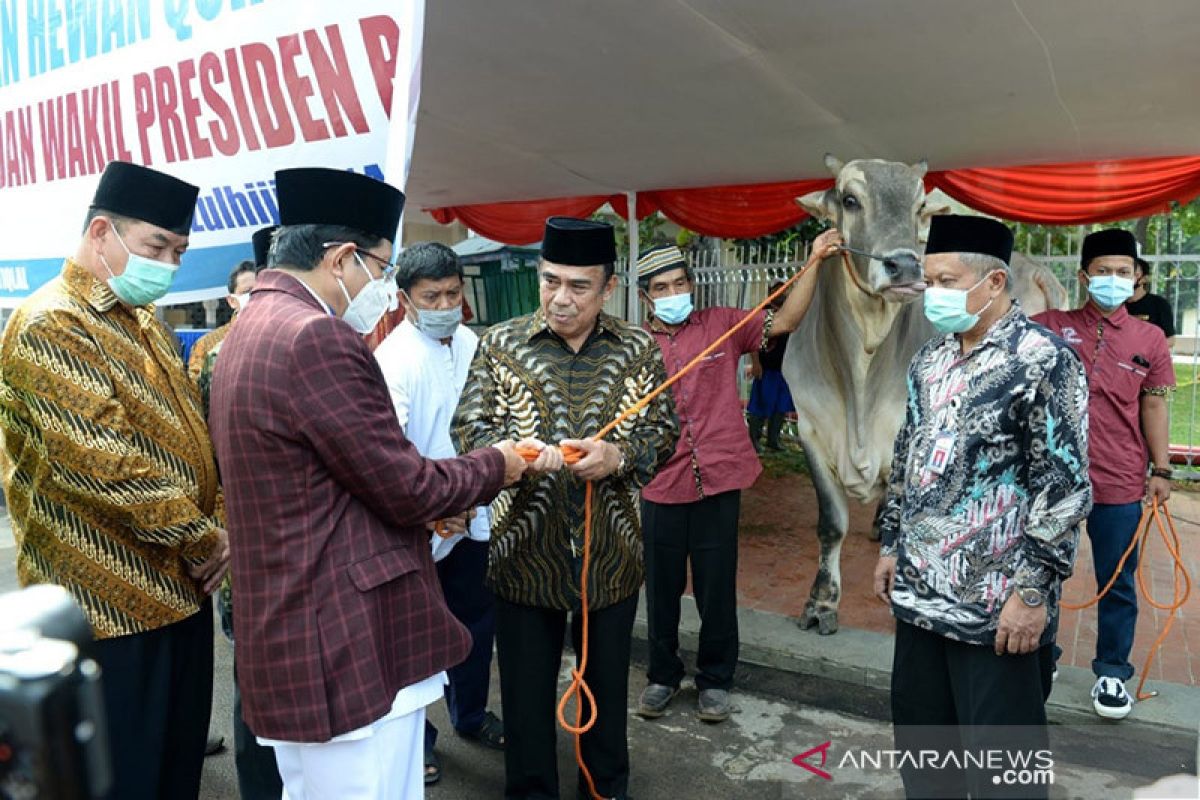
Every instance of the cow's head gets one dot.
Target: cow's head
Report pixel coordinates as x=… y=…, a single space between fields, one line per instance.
x=880 y=208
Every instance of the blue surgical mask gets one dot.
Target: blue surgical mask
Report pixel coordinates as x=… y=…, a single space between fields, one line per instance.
x=1110 y=291
x=437 y=323
x=673 y=309
x=144 y=280
x=947 y=308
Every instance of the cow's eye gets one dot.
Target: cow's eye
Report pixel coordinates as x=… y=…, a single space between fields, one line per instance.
x=850 y=202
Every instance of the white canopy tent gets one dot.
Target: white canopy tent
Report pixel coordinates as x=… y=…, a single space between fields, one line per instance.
x=529 y=100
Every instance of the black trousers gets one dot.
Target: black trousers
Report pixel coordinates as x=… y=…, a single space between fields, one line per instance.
x=949 y=695
x=158 y=698
x=257 y=773
x=704 y=532
x=462 y=574
x=529 y=644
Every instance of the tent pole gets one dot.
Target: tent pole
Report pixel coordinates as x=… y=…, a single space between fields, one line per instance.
x=632 y=306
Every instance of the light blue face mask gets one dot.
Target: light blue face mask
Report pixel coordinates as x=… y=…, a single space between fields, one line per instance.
x=674 y=309
x=947 y=308
x=437 y=323
x=1110 y=291
x=144 y=280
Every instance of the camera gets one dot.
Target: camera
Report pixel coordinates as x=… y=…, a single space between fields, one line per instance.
x=53 y=734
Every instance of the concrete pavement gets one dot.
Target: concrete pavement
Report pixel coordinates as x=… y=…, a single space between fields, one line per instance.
x=794 y=694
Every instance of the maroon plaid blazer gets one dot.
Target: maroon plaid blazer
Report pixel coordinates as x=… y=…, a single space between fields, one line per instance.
x=336 y=604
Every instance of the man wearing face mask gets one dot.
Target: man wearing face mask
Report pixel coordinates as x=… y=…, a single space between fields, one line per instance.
x=690 y=509
x=1129 y=374
x=110 y=479
x=1150 y=307
x=241 y=281
x=425 y=362
x=342 y=634
x=980 y=520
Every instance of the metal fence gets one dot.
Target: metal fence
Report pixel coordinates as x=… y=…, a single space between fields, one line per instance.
x=741 y=278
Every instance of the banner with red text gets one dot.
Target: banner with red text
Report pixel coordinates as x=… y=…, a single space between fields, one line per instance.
x=220 y=93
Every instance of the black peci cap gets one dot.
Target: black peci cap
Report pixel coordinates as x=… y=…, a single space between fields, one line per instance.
x=956 y=233
x=145 y=194
x=1109 y=242
x=578 y=242
x=319 y=196
x=262 y=245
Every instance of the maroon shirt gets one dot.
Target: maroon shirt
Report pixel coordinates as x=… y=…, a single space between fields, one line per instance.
x=336 y=601
x=714 y=453
x=1124 y=358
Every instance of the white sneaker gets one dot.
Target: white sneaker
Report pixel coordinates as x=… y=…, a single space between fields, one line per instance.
x=1110 y=699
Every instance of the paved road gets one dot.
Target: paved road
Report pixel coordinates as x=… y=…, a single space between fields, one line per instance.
x=748 y=757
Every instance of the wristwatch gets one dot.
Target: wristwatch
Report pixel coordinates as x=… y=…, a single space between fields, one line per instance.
x=1031 y=597
x=1161 y=472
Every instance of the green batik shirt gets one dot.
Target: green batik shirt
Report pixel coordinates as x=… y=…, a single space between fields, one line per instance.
x=526 y=382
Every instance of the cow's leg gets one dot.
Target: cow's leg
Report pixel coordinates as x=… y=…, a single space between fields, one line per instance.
x=832 y=521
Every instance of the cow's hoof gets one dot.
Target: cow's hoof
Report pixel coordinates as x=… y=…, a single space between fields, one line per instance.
x=827 y=623
x=808 y=618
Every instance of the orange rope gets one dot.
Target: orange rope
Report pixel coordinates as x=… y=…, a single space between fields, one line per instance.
x=1182 y=588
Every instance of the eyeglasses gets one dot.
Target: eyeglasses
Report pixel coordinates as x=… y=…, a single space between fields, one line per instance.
x=388 y=267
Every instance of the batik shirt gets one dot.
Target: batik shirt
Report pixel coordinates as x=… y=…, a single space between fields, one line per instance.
x=525 y=381
x=107 y=465
x=989 y=478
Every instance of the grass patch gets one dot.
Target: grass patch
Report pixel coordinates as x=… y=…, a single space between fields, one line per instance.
x=788 y=461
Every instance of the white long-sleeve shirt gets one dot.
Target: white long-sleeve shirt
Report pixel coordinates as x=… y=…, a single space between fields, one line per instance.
x=426 y=379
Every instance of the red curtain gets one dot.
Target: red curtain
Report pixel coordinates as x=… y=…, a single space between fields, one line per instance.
x=1055 y=194
x=519 y=222
x=1075 y=194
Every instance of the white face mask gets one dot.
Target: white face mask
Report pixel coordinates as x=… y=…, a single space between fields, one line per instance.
x=373 y=300
x=242 y=301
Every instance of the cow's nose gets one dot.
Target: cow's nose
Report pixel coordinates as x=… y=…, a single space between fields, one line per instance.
x=901 y=265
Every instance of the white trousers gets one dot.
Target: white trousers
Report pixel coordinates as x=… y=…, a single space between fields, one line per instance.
x=387 y=765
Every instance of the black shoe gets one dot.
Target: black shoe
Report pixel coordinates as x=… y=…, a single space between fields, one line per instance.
x=215 y=744
x=489 y=734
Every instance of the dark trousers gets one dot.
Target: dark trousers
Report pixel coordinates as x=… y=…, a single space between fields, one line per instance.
x=774 y=425
x=461 y=574
x=953 y=696
x=158 y=698
x=257 y=773
x=1111 y=528
x=529 y=643
x=704 y=532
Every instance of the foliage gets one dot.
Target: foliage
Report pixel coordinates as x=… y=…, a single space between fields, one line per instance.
x=1175 y=232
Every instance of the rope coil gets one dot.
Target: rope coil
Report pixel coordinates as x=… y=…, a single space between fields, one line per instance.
x=1182 y=581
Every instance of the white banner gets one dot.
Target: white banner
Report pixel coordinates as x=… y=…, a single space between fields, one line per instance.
x=220 y=93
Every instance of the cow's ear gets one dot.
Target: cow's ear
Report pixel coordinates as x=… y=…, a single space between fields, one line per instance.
x=932 y=207
x=822 y=205
x=920 y=167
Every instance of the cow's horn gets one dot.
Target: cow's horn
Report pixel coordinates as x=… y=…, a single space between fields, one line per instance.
x=921 y=167
x=833 y=164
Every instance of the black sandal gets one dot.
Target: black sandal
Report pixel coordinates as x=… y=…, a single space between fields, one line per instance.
x=490 y=733
x=433 y=768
